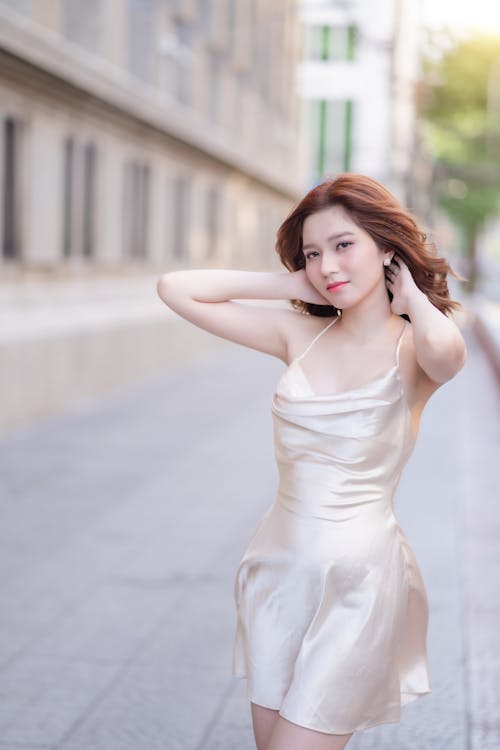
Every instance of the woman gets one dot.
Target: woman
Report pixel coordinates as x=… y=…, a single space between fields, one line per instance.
x=332 y=611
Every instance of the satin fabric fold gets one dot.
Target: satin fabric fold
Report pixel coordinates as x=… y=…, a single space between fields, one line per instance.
x=332 y=610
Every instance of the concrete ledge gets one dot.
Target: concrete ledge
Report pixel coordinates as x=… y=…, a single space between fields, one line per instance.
x=42 y=377
x=64 y=344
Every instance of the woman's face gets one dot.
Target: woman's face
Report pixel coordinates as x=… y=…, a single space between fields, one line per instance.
x=337 y=249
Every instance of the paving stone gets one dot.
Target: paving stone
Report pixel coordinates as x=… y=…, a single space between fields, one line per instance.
x=121 y=526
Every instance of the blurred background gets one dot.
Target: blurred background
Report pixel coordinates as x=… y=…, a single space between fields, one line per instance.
x=143 y=136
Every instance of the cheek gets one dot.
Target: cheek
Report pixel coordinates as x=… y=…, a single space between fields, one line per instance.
x=366 y=265
x=310 y=272
x=365 y=275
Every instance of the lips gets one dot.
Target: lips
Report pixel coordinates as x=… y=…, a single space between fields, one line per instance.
x=336 y=285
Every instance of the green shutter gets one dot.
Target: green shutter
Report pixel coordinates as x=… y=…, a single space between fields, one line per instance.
x=351 y=42
x=322 y=138
x=348 y=136
x=325 y=42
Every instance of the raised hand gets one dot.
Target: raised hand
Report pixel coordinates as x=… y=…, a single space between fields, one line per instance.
x=401 y=284
x=304 y=290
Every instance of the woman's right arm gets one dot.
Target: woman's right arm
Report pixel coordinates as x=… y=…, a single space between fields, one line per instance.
x=206 y=297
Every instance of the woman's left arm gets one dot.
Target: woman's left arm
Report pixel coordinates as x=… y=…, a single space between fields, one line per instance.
x=439 y=345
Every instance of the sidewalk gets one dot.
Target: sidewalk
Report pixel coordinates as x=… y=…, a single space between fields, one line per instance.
x=118 y=558
x=121 y=525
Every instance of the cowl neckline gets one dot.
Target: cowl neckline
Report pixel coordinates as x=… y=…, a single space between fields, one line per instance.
x=294 y=385
x=294 y=397
x=346 y=392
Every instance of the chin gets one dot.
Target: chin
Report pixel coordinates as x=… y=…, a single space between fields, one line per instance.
x=327 y=300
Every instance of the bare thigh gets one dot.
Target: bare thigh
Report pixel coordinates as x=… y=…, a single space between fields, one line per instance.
x=263 y=720
x=288 y=736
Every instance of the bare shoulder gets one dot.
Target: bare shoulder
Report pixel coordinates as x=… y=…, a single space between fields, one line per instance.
x=299 y=330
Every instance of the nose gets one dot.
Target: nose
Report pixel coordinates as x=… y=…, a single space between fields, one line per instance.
x=329 y=264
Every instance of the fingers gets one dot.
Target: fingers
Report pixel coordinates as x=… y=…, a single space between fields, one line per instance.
x=392 y=271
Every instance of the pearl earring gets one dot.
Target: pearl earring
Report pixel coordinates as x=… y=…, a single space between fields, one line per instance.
x=387 y=262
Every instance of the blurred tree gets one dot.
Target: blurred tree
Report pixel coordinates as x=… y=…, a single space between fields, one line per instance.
x=460 y=103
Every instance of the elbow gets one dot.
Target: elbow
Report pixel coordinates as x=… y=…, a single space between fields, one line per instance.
x=162 y=287
x=458 y=356
x=462 y=357
x=444 y=361
x=170 y=290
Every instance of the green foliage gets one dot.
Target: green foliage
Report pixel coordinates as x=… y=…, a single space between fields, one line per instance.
x=461 y=108
x=478 y=203
x=464 y=70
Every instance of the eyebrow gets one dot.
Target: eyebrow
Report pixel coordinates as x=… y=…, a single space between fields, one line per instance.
x=328 y=239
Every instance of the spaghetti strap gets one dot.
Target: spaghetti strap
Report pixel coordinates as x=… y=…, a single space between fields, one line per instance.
x=317 y=337
x=400 y=338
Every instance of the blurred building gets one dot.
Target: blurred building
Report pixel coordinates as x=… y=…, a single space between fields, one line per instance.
x=137 y=137
x=357 y=80
x=145 y=133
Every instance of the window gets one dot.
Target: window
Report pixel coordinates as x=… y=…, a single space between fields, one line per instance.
x=214 y=84
x=240 y=87
x=178 y=57
x=263 y=61
x=213 y=17
x=89 y=196
x=136 y=209
x=213 y=207
x=205 y=16
x=79 y=180
x=82 y=23
x=232 y=21
x=185 y=10
x=142 y=38
x=183 y=62
x=329 y=125
x=20 y=6
x=69 y=161
x=329 y=42
x=180 y=217
x=11 y=244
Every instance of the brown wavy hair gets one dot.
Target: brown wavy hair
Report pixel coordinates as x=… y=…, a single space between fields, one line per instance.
x=376 y=210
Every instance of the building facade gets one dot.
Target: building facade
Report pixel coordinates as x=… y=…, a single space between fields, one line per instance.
x=136 y=137
x=145 y=134
x=357 y=82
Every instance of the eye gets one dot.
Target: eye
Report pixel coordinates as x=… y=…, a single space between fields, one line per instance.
x=342 y=245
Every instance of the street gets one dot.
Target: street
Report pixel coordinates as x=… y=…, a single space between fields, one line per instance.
x=121 y=527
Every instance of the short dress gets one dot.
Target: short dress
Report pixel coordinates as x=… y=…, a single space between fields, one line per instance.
x=331 y=606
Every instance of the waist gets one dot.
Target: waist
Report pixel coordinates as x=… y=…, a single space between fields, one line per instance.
x=350 y=534
x=337 y=500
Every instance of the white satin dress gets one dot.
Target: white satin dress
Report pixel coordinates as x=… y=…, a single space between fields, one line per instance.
x=331 y=607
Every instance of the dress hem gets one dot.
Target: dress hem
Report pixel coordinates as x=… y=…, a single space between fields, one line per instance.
x=410 y=697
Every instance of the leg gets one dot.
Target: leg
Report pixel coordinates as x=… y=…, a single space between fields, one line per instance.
x=263 y=720
x=289 y=736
